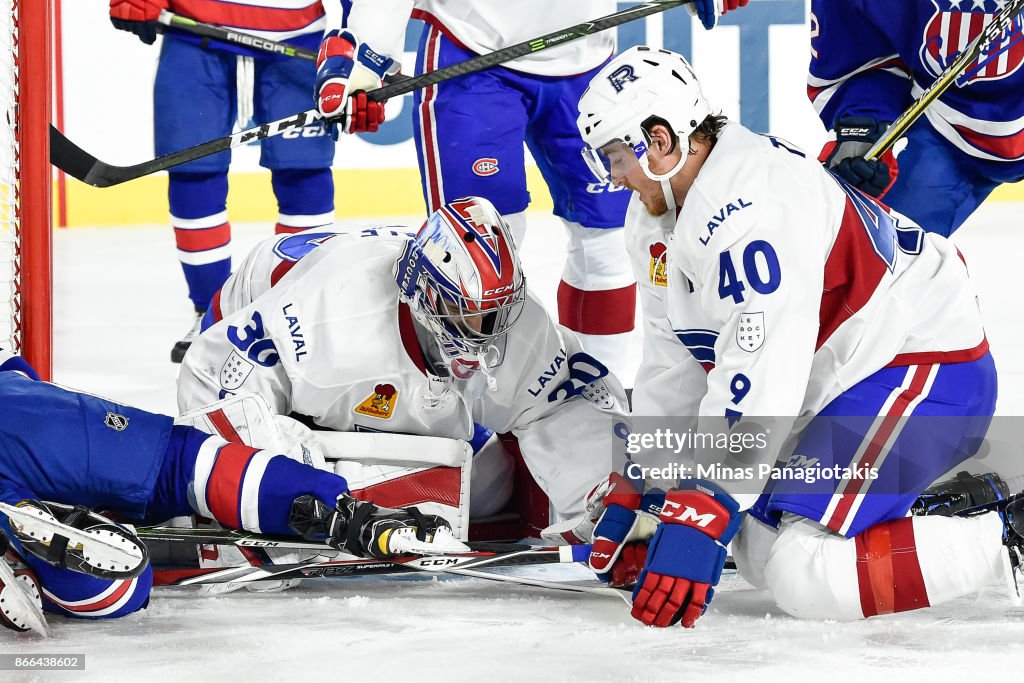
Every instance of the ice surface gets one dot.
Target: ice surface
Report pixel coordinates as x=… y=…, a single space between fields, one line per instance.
x=120 y=305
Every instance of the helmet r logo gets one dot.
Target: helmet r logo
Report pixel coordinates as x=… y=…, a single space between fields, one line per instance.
x=621 y=76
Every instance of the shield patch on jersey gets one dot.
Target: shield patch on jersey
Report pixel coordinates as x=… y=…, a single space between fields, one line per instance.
x=118 y=423
x=954 y=24
x=750 y=331
x=234 y=372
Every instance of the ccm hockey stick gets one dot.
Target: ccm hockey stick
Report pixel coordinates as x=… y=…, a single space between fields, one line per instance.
x=171 y=20
x=1002 y=23
x=483 y=555
x=79 y=164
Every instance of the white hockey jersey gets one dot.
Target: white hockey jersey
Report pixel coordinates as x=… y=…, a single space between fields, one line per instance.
x=667 y=380
x=274 y=19
x=330 y=340
x=483 y=26
x=789 y=287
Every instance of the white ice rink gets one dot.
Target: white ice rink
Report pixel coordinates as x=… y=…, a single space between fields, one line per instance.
x=120 y=304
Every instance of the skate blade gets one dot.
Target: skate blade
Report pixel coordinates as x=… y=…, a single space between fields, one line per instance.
x=404 y=542
x=100 y=548
x=23 y=601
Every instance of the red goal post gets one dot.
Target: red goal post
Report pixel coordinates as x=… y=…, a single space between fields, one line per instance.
x=26 y=47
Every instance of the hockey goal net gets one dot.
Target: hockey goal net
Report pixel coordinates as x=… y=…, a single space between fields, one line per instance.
x=25 y=180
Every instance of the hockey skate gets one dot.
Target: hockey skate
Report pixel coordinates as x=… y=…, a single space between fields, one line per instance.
x=1012 y=513
x=973 y=494
x=21 y=607
x=75 y=538
x=182 y=346
x=361 y=528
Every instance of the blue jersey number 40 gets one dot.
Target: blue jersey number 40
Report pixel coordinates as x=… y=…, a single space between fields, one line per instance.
x=760 y=268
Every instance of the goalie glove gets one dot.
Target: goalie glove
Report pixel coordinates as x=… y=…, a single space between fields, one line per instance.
x=844 y=156
x=345 y=68
x=361 y=528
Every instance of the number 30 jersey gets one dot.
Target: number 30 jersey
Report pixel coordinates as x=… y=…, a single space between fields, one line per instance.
x=788 y=286
x=313 y=322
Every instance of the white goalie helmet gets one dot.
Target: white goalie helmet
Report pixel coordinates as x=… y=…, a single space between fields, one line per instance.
x=633 y=87
x=462 y=278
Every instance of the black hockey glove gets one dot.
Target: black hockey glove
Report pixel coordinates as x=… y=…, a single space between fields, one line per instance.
x=845 y=157
x=137 y=16
x=361 y=528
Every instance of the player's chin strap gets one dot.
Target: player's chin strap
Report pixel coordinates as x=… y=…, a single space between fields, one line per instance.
x=485 y=367
x=665 y=180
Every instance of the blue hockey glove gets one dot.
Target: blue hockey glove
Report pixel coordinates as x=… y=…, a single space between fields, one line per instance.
x=845 y=156
x=686 y=555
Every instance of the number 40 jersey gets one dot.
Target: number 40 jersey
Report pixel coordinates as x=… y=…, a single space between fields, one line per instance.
x=788 y=286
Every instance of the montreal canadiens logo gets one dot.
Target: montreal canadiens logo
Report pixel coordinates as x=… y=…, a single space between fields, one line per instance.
x=485 y=166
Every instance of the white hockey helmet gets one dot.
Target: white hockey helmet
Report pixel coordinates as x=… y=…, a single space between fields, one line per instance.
x=633 y=87
x=462 y=278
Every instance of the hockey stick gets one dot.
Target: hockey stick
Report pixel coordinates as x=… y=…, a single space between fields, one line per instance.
x=975 y=49
x=245 y=539
x=494 y=555
x=79 y=164
x=171 y=20
x=594 y=587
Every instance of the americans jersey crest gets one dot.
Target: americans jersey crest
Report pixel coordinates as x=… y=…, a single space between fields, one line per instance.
x=658 y=271
x=380 y=404
x=955 y=24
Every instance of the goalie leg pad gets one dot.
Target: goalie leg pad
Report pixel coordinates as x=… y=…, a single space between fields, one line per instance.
x=400 y=470
x=248 y=419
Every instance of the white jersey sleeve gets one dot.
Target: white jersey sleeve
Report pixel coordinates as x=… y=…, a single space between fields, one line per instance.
x=563 y=406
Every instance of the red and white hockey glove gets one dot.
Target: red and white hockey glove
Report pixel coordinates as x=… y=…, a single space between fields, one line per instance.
x=137 y=16
x=686 y=555
x=708 y=11
x=845 y=155
x=344 y=69
x=622 y=532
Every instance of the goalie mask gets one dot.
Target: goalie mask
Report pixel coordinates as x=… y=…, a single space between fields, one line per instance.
x=462 y=278
x=630 y=89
